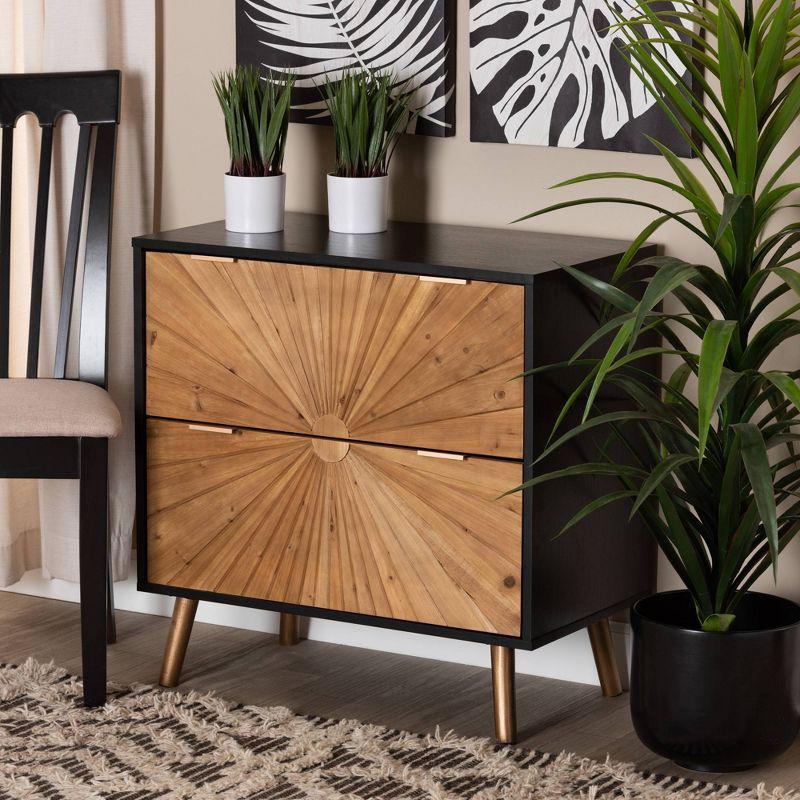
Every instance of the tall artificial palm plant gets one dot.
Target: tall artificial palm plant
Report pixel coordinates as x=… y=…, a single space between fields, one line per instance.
x=717 y=481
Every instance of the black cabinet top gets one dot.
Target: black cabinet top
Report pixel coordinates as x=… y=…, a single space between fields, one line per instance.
x=497 y=254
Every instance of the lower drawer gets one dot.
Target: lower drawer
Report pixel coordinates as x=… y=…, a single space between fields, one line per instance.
x=367 y=529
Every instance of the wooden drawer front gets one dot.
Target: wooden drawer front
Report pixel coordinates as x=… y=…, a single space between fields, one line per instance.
x=395 y=359
x=352 y=527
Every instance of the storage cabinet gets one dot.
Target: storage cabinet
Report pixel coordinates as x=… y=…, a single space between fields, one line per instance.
x=328 y=425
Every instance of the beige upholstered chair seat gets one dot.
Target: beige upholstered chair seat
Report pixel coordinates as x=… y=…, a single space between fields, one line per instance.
x=47 y=407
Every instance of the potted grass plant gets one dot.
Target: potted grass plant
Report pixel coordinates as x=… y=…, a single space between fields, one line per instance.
x=256 y=111
x=368 y=113
x=715 y=682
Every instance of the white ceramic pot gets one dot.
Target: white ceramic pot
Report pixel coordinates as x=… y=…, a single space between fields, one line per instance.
x=255 y=205
x=358 y=205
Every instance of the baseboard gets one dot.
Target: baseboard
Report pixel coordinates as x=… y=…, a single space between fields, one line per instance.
x=568 y=659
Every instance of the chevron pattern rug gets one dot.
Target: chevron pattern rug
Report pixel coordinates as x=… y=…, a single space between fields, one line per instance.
x=151 y=744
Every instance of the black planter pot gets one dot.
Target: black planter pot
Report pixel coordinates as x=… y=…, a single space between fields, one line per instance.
x=716 y=702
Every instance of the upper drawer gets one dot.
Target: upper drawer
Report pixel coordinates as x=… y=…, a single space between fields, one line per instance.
x=374 y=356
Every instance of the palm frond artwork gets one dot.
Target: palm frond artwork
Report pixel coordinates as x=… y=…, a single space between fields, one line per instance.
x=557 y=73
x=320 y=40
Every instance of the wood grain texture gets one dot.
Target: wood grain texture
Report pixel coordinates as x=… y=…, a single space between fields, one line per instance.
x=279 y=346
x=330 y=449
x=382 y=532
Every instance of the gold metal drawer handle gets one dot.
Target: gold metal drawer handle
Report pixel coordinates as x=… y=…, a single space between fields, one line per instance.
x=435 y=454
x=210 y=429
x=224 y=259
x=432 y=279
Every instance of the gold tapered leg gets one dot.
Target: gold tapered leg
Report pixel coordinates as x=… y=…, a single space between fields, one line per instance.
x=289 y=633
x=604 y=658
x=178 y=640
x=505 y=702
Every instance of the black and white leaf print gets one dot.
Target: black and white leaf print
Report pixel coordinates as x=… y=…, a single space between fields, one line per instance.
x=551 y=72
x=318 y=39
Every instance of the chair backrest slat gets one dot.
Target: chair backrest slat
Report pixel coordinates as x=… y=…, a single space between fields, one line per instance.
x=39 y=245
x=6 y=160
x=71 y=254
x=93 y=347
x=93 y=98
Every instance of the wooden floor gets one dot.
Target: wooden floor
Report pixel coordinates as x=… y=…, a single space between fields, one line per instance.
x=335 y=681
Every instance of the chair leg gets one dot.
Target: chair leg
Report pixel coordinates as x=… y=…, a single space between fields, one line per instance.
x=505 y=701
x=604 y=658
x=178 y=640
x=289 y=633
x=111 y=623
x=93 y=548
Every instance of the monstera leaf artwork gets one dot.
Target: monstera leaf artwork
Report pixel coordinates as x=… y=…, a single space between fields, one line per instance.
x=555 y=72
x=319 y=39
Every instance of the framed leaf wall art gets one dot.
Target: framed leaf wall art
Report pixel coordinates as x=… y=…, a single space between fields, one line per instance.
x=415 y=40
x=556 y=73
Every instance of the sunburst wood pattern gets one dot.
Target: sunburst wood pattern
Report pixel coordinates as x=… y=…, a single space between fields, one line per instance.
x=384 y=531
x=278 y=346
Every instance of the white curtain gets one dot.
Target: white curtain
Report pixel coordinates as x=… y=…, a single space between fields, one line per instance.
x=39 y=519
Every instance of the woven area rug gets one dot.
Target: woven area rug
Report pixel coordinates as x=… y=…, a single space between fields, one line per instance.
x=150 y=744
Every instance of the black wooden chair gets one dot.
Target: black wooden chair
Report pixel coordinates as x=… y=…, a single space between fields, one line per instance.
x=59 y=428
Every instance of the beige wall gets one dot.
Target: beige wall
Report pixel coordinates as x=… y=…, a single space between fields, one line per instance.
x=437 y=180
